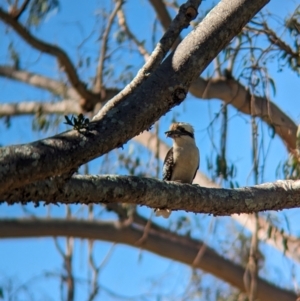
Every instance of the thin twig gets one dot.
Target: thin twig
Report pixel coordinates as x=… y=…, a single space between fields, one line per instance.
x=123 y=24
x=55 y=51
x=99 y=75
x=186 y=14
x=19 y=12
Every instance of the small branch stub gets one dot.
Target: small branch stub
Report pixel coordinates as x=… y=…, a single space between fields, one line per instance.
x=179 y=94
x=191 y=13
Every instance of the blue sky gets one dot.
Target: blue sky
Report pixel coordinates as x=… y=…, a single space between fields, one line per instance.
x=24 y=259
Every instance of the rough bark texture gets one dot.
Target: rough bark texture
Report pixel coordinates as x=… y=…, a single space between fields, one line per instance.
x=157 y=194
x=118 y=122
x=228 y=90
x=268 y=233
x=174 y=247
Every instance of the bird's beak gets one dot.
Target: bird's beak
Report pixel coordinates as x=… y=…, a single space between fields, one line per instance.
x=172 y=134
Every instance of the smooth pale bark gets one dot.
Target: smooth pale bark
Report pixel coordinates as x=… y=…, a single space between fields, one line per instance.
x=119 y=121
x=227 y=90
x=37 y=80
x=65 y=106
x=61 y=55
x=268 y=233
x=181 y=249
x=235 y=94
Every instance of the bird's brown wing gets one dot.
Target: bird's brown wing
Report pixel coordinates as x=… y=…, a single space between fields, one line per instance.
x=196 y=168
x=195 y=172
x=168 y=165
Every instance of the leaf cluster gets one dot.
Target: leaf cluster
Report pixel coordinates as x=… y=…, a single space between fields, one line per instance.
x=78 y=123
x=39 y=9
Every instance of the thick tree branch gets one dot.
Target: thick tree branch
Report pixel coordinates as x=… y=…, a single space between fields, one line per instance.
x=54 y=86
x=287 y=244
x=228 y=90
x=237 y=95
x=157 y=194
x=232 y=92
x=65 y=106
x=62 y=57
x=181 y=249
x=187 y=12
x=268 y=233
x=119 y=121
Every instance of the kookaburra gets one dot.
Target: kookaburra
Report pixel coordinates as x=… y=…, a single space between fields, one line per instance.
x=182 y=160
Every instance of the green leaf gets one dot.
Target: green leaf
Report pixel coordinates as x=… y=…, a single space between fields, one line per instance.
x=272 y=131
x=285 y=245
x=68 y=120
x=273 y=86
x=269 y=231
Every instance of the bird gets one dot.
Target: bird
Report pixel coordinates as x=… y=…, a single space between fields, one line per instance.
x=182 y=160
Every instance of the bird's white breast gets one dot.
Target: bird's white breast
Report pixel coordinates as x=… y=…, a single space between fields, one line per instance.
x=186 y=162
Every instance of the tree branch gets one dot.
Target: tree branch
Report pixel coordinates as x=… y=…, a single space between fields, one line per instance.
x=228 y=90
x=157 y=194
x=65 y=106
x=39 y=81
x=123 y=24
x=16 y=13
x=237 y=95
x=54 y=86
x=287 y=244
x=121 y=120
x=163 y=16
x=62 y=57
x=99 y=74
x=274 y=39
x=268 y=233
x=181 y=249
x=187 y=12
x=232 y=92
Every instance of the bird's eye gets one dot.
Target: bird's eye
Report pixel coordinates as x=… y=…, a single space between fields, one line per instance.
x=181 y=129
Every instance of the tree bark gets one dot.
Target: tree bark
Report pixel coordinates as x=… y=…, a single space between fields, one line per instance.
x=157 y=194
x=171 y=246
x=119 y=121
